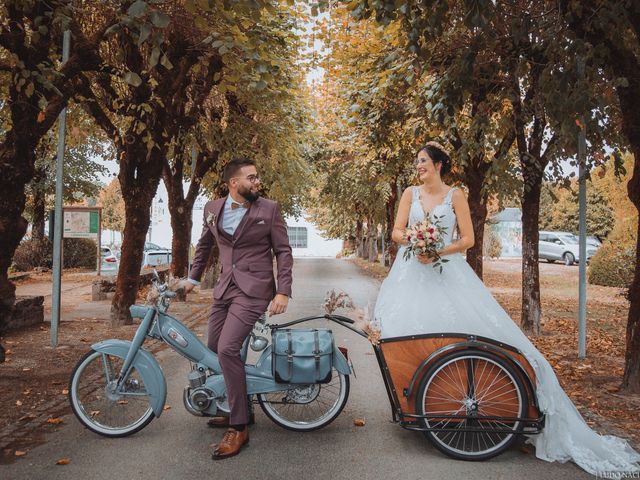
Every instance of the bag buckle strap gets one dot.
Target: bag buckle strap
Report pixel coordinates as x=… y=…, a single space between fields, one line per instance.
x=290 y=355
x=316 y=353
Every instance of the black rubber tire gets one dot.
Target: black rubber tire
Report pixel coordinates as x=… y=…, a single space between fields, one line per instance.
x=568 y=259
x=85 y=421
x=263 y=401
x=434 y=369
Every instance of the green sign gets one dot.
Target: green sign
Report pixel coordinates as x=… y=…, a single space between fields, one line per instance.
x=81 y=224
x=93 y=223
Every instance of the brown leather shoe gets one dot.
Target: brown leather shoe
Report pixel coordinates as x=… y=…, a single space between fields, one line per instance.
x=231 y=444
x=223 y=422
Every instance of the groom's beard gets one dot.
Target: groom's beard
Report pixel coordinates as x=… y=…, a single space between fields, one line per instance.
x=250 y=194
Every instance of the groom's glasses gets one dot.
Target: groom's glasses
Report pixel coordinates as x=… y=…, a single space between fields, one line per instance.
x=251 y=178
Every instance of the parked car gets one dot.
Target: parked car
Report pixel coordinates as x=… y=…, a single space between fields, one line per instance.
x=562 y=246
x=109 y=260
x=152 y=246
x=153 y=258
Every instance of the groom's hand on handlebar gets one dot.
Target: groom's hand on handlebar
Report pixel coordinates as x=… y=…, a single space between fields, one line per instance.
x=186 y=285
x=278 y=304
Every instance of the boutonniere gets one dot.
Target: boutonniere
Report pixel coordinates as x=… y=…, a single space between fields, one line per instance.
x=211 y=218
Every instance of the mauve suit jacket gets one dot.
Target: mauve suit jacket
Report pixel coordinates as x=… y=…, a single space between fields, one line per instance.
x=247 y=256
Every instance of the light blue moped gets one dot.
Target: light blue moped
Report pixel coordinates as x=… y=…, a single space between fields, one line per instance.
x=118 y=387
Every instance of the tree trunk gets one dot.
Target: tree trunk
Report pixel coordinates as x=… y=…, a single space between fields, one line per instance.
x=630 y=107
x=391 y=249
x=372 y=242
x=128 y=281
x=181 y=224
x=531 y=308
x=360 y=239
x=139 y=177
x=16 y=164
x=474 y=179
x=39 y=207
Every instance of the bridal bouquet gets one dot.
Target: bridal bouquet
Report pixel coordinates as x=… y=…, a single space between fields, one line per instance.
x=426 y=238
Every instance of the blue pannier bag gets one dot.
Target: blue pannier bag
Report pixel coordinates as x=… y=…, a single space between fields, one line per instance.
x=302 y=355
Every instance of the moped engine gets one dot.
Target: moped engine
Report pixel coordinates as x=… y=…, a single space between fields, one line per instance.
x=197 y=400
x=197 y=397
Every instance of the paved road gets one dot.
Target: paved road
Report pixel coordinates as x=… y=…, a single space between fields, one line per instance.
x=176 y=446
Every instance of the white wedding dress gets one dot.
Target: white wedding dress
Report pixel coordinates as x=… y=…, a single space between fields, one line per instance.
x=418 y=299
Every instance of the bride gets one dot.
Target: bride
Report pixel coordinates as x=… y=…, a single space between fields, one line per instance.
x=416 y=298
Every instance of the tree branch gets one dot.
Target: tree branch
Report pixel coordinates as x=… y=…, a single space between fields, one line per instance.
x=92 y=106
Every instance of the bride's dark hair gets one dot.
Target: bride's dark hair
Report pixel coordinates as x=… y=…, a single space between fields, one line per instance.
x=438 y=154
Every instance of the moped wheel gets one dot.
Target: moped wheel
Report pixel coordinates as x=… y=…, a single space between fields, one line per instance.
x=97 y=404
x=304 y=408
x=467 y=387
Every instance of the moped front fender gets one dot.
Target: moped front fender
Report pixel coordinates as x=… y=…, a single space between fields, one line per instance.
x=146 y=365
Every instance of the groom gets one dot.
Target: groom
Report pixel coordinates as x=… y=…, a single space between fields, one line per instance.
x=249 y=230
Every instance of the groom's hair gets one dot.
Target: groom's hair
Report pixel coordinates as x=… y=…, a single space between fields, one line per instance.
x=232 y=168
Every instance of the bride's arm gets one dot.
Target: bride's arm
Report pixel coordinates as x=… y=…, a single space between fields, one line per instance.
x=402 y=219
x=465 y=227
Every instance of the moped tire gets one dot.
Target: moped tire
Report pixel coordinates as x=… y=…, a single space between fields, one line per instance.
x=97 y=407
x=471 y=386
x=297 y=408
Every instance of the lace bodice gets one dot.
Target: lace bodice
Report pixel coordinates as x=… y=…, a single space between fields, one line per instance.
x=444 y=211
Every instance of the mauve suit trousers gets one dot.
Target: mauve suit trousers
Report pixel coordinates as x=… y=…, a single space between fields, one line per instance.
x=232 y=319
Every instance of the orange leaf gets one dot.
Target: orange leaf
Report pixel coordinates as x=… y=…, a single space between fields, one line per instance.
x=65 y=392
x=20 y=453
x=41 y=117
x=359 y=422
x=579 y=123
x=18 y=403
x=167 y=407
x=63 y=461
x=55 y=421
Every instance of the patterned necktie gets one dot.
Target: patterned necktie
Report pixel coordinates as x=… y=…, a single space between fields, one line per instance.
x=235 y=205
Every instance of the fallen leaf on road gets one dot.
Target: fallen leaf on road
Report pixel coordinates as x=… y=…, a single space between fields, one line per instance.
x=167 y=407
x=85 y=340
x=18 y=403
x=8 y=352
x=122 y=402
x=26 y=392
x=26 y=369
x=93 y=413
x=20 y=453
x=359 y=422
x=524 y=450
x=65 y=392
x=55 y=421
x=63 y=461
